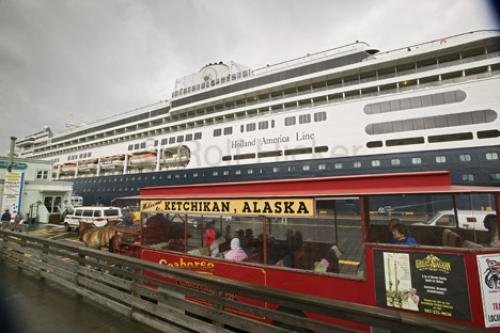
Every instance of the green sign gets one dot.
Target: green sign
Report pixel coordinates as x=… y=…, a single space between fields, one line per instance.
x=15 y=165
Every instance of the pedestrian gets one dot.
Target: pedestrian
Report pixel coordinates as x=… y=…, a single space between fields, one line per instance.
x=18 y=220
x=6 y=216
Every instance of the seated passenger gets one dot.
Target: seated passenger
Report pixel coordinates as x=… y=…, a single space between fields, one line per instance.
x=295 y=252
x=330 y=262
x=236 y=253
x=490 y=223
x=402 y=236
x=214 y=247
x=210 y=234
x=391 y=225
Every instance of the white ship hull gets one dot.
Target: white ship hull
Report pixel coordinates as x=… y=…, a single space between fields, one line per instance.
x=426 y=107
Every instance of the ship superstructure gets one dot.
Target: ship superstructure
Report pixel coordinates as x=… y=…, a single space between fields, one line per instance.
x=347 y=110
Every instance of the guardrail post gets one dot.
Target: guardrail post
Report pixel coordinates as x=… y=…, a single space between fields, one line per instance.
x=217 y=306
x=45 y=260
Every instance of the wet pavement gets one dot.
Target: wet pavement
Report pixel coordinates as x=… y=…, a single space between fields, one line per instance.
x=31 y=305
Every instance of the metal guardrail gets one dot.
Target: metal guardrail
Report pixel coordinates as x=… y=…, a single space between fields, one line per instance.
x=177 y=300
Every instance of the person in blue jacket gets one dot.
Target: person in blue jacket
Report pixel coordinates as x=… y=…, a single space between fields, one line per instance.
x=401 y=235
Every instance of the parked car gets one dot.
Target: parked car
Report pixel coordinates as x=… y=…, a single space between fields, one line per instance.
x=98 y=216
x=467 y=219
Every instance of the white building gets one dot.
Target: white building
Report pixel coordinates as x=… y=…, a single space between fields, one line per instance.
x=30 y=189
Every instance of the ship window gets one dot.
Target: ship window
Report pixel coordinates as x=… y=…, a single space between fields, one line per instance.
x=225 y=173
x=228 y=131
x=250 y=127
x=494 y=176
x=440 y=159
x=369 y=91
x=429 y=79
x=272 y=123
x=290 y=121
x=427 y=62
x=169 y=176
x=416 y=160
x=375 y=163
x=335 y=97
x=351 y=94
x=243 y=156
x=217 y=132
x=180 y=138
x=250 y=171
x=473 y=52
x=320 y=116
x=137 y=146
x=450 y=137
x=374 y=144
x=298 y=151
x=492 y=156
x=195 y=174
x=321 y=149
x=322 y=166
x=338 y=166
x=242 y=128
x=488 y=134
x=395 y=162
x=304 y=118
x=263 y=125
x=465 y=158
x=387 y=88
x=237 y=172
x=274 y=153
x=276 y=169
x=405 y=141
x=171 y=140
x=189 y=137
x=164 y=141
x=449 y=58
x=143 y=145
x=197 y=136
x=449 y=76
x=477 y=70
x=468 y=177
x=356 y=164
x=226 y=158
x=306 y=167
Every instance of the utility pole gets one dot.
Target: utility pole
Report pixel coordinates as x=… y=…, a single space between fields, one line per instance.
x=11 y=153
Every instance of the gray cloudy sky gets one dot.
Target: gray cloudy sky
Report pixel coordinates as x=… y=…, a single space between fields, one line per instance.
x=67 y=61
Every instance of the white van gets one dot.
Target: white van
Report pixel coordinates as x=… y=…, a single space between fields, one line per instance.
x=98 y=216
x=467 y=219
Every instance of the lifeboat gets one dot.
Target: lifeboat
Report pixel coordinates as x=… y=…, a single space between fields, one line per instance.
x=175 y=157
x=88 y=166
x=142 y=159
x=112 y=162
x=55 y=169
x=68 y=168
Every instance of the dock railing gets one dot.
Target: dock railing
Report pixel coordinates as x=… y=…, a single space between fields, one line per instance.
x=177 y=300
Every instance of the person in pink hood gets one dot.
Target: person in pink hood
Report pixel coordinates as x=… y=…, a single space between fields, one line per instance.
x=236 y=253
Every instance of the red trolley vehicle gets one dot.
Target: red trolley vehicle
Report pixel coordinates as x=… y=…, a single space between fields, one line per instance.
x=408 y=241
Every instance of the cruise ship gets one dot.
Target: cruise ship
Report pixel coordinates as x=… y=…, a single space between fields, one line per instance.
x=344 y=111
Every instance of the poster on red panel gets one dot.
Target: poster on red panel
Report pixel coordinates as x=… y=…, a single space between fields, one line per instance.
x=432 y=283
x=489 y=278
